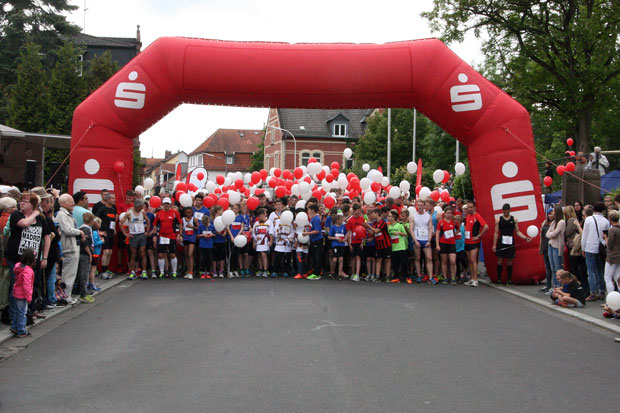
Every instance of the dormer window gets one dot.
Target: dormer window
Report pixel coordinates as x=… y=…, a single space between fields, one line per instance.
x=340 y=130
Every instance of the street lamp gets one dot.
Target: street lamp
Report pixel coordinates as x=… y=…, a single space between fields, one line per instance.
x=294 y=142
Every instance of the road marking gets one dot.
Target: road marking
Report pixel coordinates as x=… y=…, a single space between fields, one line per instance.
x=332 y=324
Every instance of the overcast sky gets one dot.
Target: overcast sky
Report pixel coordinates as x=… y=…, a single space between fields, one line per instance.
x=357 y=21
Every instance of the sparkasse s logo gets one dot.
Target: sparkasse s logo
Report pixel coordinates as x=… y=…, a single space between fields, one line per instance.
x=130 y=95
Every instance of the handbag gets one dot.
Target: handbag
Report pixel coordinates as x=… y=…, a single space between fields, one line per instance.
x=602 y=248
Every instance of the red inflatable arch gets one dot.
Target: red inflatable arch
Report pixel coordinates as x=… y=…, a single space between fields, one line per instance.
x=424 y=74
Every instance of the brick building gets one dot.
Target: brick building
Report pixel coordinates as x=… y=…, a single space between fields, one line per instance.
x=226 y=150
x=318 y=133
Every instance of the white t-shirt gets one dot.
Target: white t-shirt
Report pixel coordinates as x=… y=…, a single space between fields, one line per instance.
x=420 y=227
x=261 y=232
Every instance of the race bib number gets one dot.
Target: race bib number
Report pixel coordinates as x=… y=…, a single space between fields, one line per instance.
x=285 y=229
x=112 y=225
x=189 y=232
x=379 y=235
x=421 y=233
x=164 y=240
x=467 y=235
x=198 y=215
x=206 y=232
x=506 y=239
x=339 y=235
x=262 y=230
x=395 y=239
x=236 y=225
x=448 y=234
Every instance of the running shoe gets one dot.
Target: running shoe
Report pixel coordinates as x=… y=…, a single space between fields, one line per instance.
x=88 y=299
x=161 y=275
x=395 y=280
x=409 y=281
x=298 y=277
x=202 y=276
x=132 y=276
x=174 y=275
x=189 y=276
x=509 y=284
x=453 y=282
x=95 y=287
x=355 y=278
x=474 y=283
x=314 y=277
x=144 y=276
x=418 y=280
x=444 y=282
x=426 y=278
x=274 y=274
x=543 y=290
x=434 y=280
x=285 y=275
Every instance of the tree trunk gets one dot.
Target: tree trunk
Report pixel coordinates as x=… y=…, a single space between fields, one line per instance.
x=584 y=126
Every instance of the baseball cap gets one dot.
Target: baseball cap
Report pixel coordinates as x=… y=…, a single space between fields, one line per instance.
x=166 y=201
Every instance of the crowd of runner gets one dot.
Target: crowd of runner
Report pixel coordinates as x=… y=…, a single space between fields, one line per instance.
x=68 y=244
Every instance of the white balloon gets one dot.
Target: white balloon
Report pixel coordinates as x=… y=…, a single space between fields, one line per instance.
x=300 y=204
x=375 y=175
x=234 y=197
x=411 y=210
x=238 y=175
x=286 y=217
x=304 y=169
x=227 y=181
x=424 y=193
x=140 y=189
x=412 y=167
x=306 y=196
x=394 y=192
x=304 y=187
x=365 y=183
x=295 y=190
x=613 y=300
x=385 y=181
x=314 y=168
x=240 y=241
x=230 y=175
x=342 y=182
x=365 y=167
x=459 y=168
x=271 y=171
x=303 y=239
x=228 y=217
x=268 y=195
x=185 y=200
x=369 y=198
x=404 y=186
x=438 y=209
x=218 y=224
x=532 y=231
x=348 y=153
x=149 y=184
x=301 y=219
x=247 y=178
x=211 y=186
x=438 y=176
x=326 y=185
x=326 y=169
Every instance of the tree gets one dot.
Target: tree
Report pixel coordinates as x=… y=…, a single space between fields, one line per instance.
x=27 y=21
x=258 y=158
x=99 y=70
x=65 y=89
x=27 y=104
x=558 y=57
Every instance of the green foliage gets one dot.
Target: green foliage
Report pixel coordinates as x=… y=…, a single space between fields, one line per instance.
x=462 y=187
x=258 y=158
x=137 y=167
x=65 y=89
x=27 y=105
x=100 y=69
x=557 y=57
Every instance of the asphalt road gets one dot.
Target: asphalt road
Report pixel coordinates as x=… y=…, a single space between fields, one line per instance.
x=303 y=346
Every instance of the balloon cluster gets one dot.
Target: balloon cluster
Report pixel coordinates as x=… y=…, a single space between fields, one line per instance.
x=560 y=169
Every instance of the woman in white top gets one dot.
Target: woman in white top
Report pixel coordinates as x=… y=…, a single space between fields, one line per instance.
x=555 y=234
x=421 y=226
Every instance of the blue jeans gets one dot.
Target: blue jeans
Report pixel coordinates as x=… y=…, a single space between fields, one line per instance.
x=596 y=278
x=548 y=273
x=18 y=323
x=555 y=260
x=51 y=285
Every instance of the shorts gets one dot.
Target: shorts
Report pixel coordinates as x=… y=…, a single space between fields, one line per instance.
x=447 y=248
x=122 y=241
x=422 y=243
x=505 y=251
x=338 y=252
x=149 y=242
x=370 y=251
x=471 y=247
x=189 y=241
x=219 y=251
x=108 y=242
x=357 y=250
x=244 y=250
x=137 y=240
x=383 y=253
x=170 y=248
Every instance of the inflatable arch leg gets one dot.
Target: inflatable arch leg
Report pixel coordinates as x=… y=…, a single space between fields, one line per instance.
x=424 y=74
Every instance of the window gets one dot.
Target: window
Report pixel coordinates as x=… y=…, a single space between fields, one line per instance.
x=306 y=155
x=80 y=69
x=272 y=134
x=230 y=159
x=340 y=129
x=348 y=163
x=276 y=162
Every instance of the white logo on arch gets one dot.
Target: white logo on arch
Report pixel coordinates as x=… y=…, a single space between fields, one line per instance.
x=130 y=95
x=92 y=186
x=465 y=98
x=518 y=194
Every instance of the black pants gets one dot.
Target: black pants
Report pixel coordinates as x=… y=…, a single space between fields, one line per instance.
x=205 y=259
x=278 y=261
x=232 y=254
x=316 y=256
x=400 y=264
x=461 y=262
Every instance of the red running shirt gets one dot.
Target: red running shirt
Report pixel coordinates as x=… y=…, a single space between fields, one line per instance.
x=446 y=229
x=473 y=225
x=353 y=223
x=165 y=220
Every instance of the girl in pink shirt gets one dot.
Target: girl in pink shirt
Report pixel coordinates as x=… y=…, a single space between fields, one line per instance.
x=22 y=291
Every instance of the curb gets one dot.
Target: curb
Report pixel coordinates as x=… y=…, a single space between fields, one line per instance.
x=6 y=335
x=545 y=303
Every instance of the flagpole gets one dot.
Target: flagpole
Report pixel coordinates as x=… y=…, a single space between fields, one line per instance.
x=389 y=143
x=415 y=112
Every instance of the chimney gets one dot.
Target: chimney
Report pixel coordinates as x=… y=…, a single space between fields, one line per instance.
x=138 y=40
x=167 y=154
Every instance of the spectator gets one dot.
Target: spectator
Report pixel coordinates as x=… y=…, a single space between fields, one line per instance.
x=579 y=212
x=612 y=262
x=69 y=233
x=555 y=234
x=570 y=293
x=81 y=207
x=7 y=207
x=577 y=264
x=543 y=249
x=598 y=161
x=591 y=238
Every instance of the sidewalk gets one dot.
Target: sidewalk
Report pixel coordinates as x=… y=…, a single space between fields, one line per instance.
x=592 y=313
x=5 y=334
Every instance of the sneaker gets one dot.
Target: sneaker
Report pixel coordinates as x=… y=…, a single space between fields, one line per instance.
x=153 y=274
x=418 y=280
x=132 y=276
x=161 y=275
x=355 y=278
x=51 y=306
x=314 y=277
x=426 y=278
x=434 y=281
x=189 y=276
x=72 y=301
x=543 y=290
x=265 y=274
x=395 y=280
x=23 y=335
x=440 y=277
x=144 y=276
x=409 y=281
x=88 y=299
x=509 y=284
x=174 y=275
x=474 y=283
x=95 y=287
x=592 y=297
x=299 y=277
x=444 y=282
x=468 y=283
x=274 y=274
x=453 y=282
x=186 y=275
x=498 y=283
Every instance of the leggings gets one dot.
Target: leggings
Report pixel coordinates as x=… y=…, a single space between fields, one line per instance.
x=205 y=259
x=399 y=264
x=316 y=256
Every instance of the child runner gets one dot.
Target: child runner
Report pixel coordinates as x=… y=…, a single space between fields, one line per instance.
x=243 y=253
x=234 y=229
x=282 y=234
x=337 y=235
x=190 y=226
x=355 y=242
x=398 y=238
x=205 y=242
x=86 y=257
x=383 y=246
x=262 y=239
x=301 y=250
x=22 y=291
x=219 y=244
x=461 y=255
x=421 y=231
x=316 y=242
x=475 y=228
x=97 y=244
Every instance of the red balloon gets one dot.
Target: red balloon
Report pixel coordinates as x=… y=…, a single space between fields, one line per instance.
x=225 y=196
x=217 y=191
x=277 y=172
x=311 y=160
x=220 y=179
x=308 y=179
x=317 y=194
x=353 y=193
x=252 y=203
x=263 y=174
x=200 y=176
x=273 y=183
x=360 y=232
x=223 y=202
x=255 y=177
x=119 y=166
x=329 y=202
x=418 y=189
x=178 y=194
x=259 y=191
x=329 y=178
x=181 y=187
x=288 y=185
x=155 y=201
x=547 y=181
x=321 y=175
x=355 y=183
x=570 y=167
x=445 y=196
x=451 y=199
x=350 y=176
x=298 y=173
x=569 y=141
x=286 y=174
x=239 y=183
x=280 y=191
x=446 y=177
x=560 y=170
x=435 y=195
x=335 y=172
x=375 y=186
x=572 y=153
x=335 y=165
x=208 y=202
